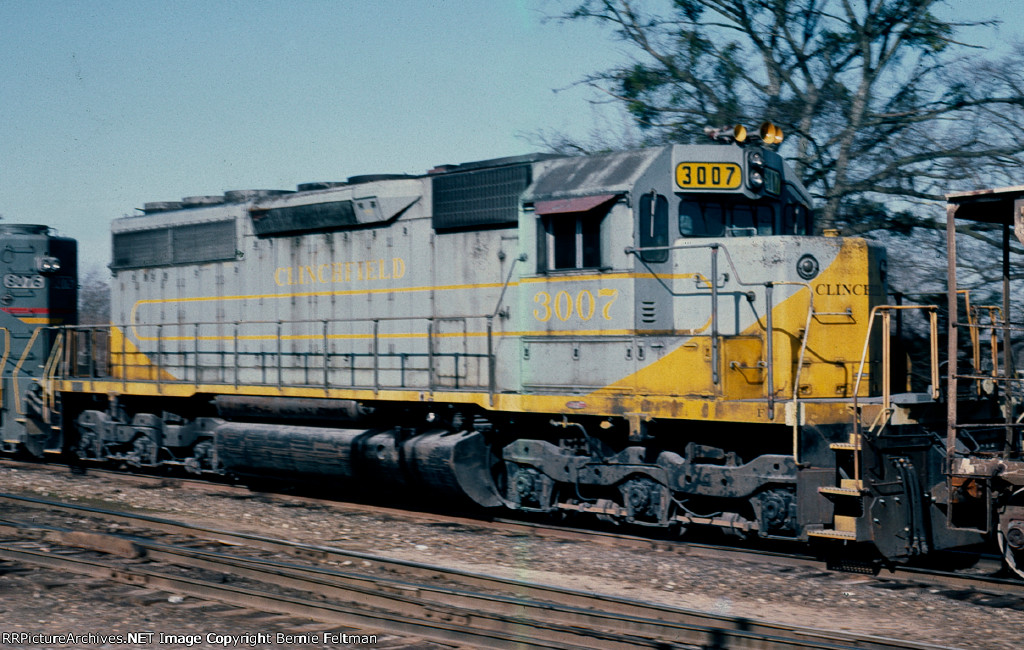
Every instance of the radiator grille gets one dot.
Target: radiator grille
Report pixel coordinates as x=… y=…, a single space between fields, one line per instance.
x=304 y=218
x=193 y=243
x=481 y=198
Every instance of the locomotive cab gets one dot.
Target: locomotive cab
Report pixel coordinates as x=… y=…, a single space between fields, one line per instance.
x=626 y=246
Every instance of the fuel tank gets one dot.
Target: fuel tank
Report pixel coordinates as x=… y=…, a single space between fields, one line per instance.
x=439 y=461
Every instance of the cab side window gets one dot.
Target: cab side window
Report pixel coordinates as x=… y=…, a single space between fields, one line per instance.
x=765 y=220
x=700 y=220
x=569 y=233
x=569 y=242
x=796 y=220
x=715 y=219
x=742 y=221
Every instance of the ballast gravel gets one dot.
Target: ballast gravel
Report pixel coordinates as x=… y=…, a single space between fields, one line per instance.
x=44 y=602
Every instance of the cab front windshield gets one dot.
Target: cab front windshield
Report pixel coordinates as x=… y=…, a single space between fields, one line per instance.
x=723 y=218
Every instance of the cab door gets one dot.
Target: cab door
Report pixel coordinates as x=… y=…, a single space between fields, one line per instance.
x=653 y=299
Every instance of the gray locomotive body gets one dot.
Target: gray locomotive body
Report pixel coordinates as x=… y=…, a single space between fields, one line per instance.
x=652 y=336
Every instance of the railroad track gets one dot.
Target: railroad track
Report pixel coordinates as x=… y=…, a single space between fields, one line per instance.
x=398 y=596
x=984 y=580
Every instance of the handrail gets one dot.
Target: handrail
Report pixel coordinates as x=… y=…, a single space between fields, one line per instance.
x=376 y=356
x=713 y=285
x=491 y=361
x=367 y=319
x=501 y=296
x=3 y=359
x=885 y=310
x=17 y=369
x=50 y=371
x=883 y=415
x=184 y=364
x=975 y=330
x=1013 y=327
x=715 y=353
x=800 y=366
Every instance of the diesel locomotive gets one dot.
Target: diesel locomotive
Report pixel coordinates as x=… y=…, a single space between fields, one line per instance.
x=655 y=337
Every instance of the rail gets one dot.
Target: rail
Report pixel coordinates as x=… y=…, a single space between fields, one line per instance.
x=449 y=605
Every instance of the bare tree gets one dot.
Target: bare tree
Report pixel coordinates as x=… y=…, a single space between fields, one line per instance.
x=879 y=98
x=94 y=297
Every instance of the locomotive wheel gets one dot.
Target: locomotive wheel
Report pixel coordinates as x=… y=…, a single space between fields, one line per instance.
x=1011 y=532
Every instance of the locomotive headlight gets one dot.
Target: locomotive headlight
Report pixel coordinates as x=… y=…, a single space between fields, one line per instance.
x=47 y=264
x=755 y=165
x=807 y=267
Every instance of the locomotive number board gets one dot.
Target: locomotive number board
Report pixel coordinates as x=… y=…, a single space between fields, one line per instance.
x=708 y=176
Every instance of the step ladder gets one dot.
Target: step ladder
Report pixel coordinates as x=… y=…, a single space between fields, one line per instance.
x=847 y=495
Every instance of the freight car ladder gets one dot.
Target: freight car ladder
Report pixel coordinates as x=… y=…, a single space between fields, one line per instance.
x=849 y=492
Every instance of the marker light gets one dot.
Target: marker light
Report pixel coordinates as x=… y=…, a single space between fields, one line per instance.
x=47 y=264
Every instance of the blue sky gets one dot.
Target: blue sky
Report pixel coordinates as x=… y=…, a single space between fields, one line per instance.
x=106 y=105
